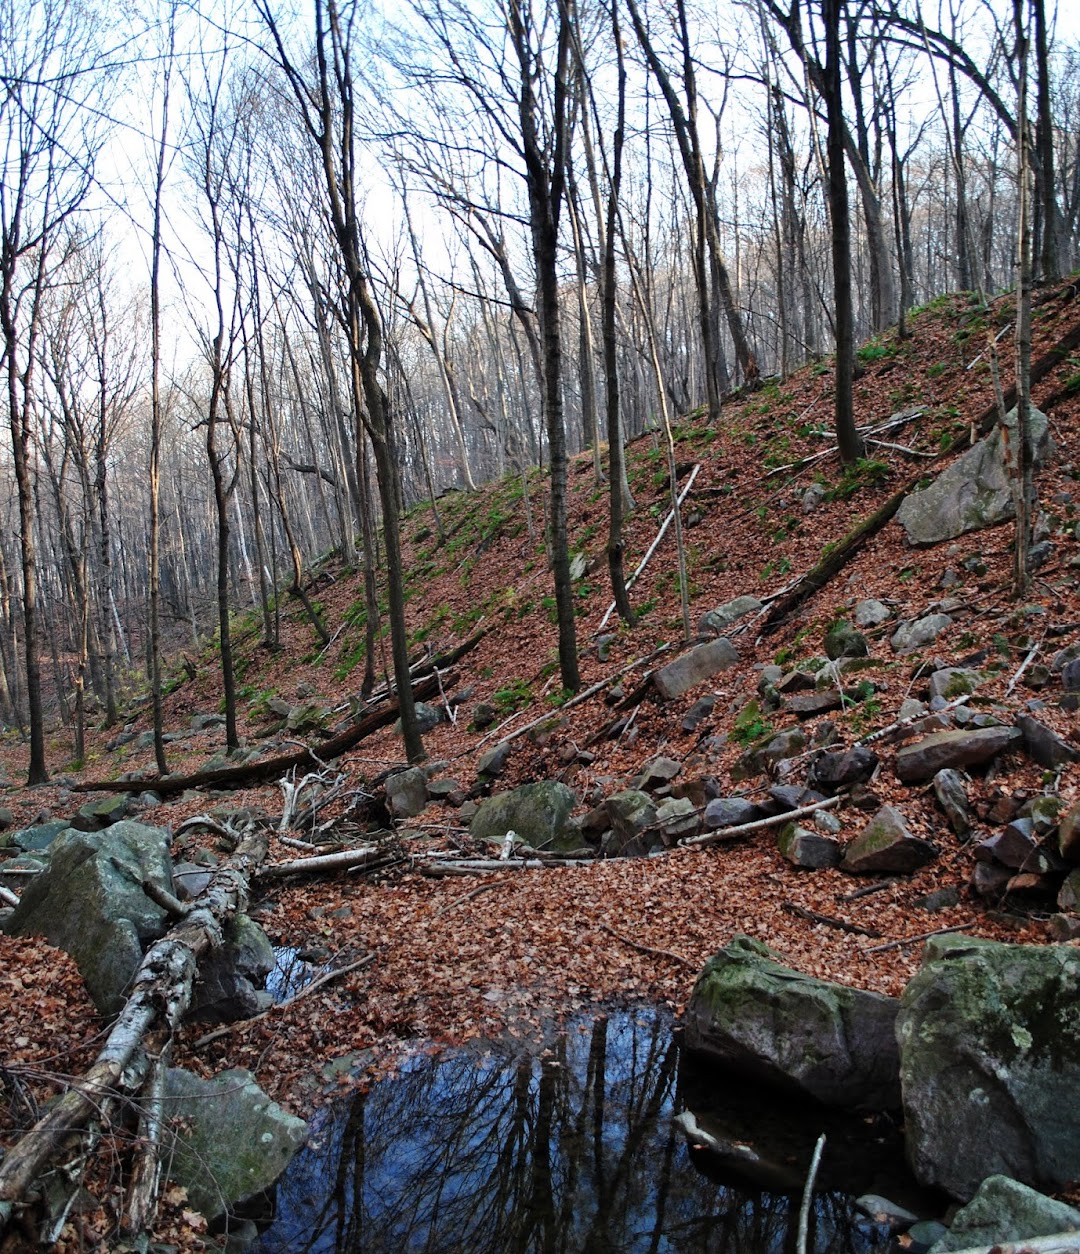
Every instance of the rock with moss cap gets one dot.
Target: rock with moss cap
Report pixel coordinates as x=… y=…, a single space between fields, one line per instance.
x=989 y=1039
x=760 y=1018
x=886 y=846
x=539 y=813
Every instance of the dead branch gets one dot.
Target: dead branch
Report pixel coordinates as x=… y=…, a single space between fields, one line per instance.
x=775 y=820
x=648 y=949
x=866 y=890
x=914 y=940
x=266 y=768
x=8 y=897
x=812 y=916
x=173 y=906
x=161 y=993
x=343 y=860
x=460 y=901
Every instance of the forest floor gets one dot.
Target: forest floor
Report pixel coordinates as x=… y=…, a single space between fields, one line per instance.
x=455 y=958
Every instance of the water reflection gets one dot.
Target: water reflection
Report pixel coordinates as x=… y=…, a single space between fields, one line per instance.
x=572 y=1149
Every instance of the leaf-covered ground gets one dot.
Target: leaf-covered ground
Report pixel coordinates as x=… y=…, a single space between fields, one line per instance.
x=457 y=957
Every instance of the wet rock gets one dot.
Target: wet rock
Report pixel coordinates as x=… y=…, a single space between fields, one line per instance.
x=716 y=622
x=951 y=793
x=808 y=849
x=1005 y=1210
x=231 y=1141
x=886 y=846
x=832 y=771
x=990 y=1064
x=1044 y=746
x=921 y=761
x=407 y=793
x=694 y=667
x=844 y=641
x=756 y=1016
x=918 y=633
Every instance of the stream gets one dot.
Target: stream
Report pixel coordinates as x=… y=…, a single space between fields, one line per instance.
x=573 y=1146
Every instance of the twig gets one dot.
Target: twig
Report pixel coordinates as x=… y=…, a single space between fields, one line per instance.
x=903 y=448
x=775 y=820
x=808 y=1193
x=914 y=940
x=460 y=901
x=866 y=890
x=319 y=982
x=648 y=949
x=8 y=897
x=812 y=916
x=1024 y=665
x=172 y=906
x=655 y=544
x=901 y=723
x=997 y=337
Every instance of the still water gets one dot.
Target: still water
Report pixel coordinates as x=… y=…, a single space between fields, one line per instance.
x=572 y=1147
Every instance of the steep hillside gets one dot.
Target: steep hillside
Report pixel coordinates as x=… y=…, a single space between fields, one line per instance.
x=456 y=954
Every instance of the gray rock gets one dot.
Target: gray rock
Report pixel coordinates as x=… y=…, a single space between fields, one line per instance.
x=951 y=793
x=1069 y=833
x=232 y=1141
x=1006 y=1210
x=231 y=977
x=954 y=681
x=604 y=643
x=206 y=722
x=190 y=880
x=1068 y=898
x=784 y=797
x=1013 y=847
x=990 y=1064
x=910 y=707
x=407 y=793
x=716 y=622
x=1070 y=676
x=443 y=789
x=694 y=667
x=483 y=715
x=698 y=712
x=1045 y=812
x=1043 y=745
x=918 y=762
x=731 y=812
x=844 y=641
x=90 y=903
x=827 y=1041
x=677 y=818
x=539 y=813
x=883 y=1211
x=97 y=815
x=428 y=717
x=842 y=769
x=632 y=819
x=812 y=497
x=974 y=491
x=660 y=771
x=34 y=839
x=919 y=632
x=814 y=704
x=493 y=762
x=870 y=613
x=885 y=845
x=808 y=850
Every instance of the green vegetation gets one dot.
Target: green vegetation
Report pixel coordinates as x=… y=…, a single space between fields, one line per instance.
x=866 y=472
x=750 y=725
x=512 y=697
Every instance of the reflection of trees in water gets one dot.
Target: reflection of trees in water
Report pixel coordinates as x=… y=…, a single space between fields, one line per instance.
x=573 y=1150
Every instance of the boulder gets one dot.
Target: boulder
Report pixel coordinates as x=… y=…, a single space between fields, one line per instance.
x=921 y=761
x=90 y=903
x=660 y=771
x=716 y=622
x=96 y=815
x=677 y=818
x=809 y=850
x=41 y=836
x=1069 y=833
x=953 y=681
x=814 y=704
x=407 y=793
x=632 y=818
x=731 y=812
x=1044 y=746
x=843 y=640
x=919 y=632
x=1006 y=1210
x=428 y=717
x=885 y=845
x=764 y=1020
x=232 y=1142
x=951 y=794
x=694 y=667
x=990 y=1064
x=539 y=813
x=975 y=491
x=698 y=712
x=841 y=769
x=493 y=761
x=232 y=976
x=871 y=613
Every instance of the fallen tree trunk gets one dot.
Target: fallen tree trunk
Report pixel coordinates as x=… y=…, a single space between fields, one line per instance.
x=161 y=994
x=343 y=860
x=267 y=768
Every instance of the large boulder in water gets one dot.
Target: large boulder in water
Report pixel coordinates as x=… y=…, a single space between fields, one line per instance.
x=232 y=1140
x=90 y=903
x=989 y=1039
x=975 y=491
x=758 y=1017
x=539 y=813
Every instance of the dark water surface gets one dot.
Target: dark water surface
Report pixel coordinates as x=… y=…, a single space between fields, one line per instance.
x=573 y=1147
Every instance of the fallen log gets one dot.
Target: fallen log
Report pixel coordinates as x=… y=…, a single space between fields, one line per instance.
x=161 y=993
x=743 y=829
x=343 y=860
x=266 y=768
